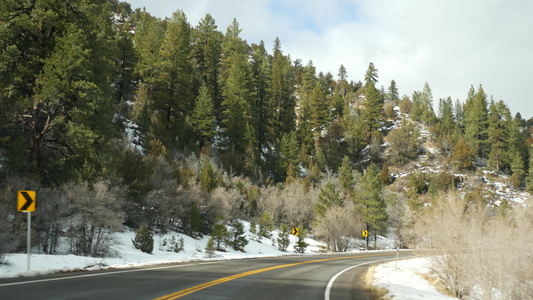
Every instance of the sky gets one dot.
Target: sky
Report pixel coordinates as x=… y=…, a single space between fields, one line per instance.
x=451 y=45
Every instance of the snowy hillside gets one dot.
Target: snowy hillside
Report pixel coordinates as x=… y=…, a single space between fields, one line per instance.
x=194 y=250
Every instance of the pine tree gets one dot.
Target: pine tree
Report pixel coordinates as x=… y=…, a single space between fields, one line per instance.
x=346 y=176
x=384 y=176
x=283 y=238
x=219 y=232
x=237 y=92
x=369 y=201
x=210 y=247
x=301 y=245
x=203 y=117
x=498 y=131
x=236 y=238
x=373 y=111
x=462 y=155
x=318 y=110
x=371 y=75
x=476 y=123
x=208 y=54
x=393 y=93
x=197 y=223
x=144 y=239
x=327 y=197
x=265 y=225
x=174 y=81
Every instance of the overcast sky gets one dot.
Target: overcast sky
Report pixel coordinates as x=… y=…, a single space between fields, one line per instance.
x=449 y=44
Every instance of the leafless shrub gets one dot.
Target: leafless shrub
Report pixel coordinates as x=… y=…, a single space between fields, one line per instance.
x=94 y=214
x=338 y=227
x=479 y=254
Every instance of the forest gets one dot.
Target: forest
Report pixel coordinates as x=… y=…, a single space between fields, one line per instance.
x=118 y=118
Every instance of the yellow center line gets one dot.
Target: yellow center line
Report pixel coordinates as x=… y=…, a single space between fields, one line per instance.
x=233 y=277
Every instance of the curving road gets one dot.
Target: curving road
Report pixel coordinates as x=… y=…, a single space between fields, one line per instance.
x=291 y=277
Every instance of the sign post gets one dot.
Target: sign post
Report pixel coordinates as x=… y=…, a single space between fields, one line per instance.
x=26 y=203
x=365 y=234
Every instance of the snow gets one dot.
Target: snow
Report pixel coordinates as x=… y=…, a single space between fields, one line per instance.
x=404 y=283
x=404 y=280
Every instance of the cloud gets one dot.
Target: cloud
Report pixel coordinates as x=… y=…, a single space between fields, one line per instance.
x=449 y=44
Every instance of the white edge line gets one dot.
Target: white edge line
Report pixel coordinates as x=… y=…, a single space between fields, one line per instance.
x=332 y=280
x=99 y=274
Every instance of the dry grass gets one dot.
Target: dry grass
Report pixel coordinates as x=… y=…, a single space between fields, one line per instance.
x=367 y=278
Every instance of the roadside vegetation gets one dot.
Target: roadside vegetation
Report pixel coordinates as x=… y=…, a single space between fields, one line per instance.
x=120 y=119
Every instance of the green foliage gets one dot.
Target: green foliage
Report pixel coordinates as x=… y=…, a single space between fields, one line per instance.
x=384 y=176
x=462 y=156
x=403 y=144
x=203 y=117
x=177 y=245
x=283 y=238
x=144 y=239
x=346 y=176
x=265 y=225
x=328 y=197
x=476 y=122
x=236 y=238
x=369 y=202
x=197 y=223
x=210 y=247
x=301 y=245
x=208 y=178
x=219 y=232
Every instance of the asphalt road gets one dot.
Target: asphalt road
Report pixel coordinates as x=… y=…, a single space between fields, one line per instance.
x=292 y=277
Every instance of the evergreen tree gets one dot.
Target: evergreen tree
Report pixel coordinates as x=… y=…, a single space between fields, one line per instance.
x=236 y=238
x=237 y=92
x=392 y=92
x=337 y=106
x=498 y=131
x=210 y=247
x=174 y=81
x=265 y=225
x=318 y=109
x=462 y=155
x=203 y=117
x=342 y=83
x=282 y=88
x=208 y=178
x=371 y=75
x=476 y=122
x=290 y=153
x=384 y=176
x=208 y=54
x=301 y=245
x=56 y=88
x=327 y=197
x=261 y=106
x=446 y=122
x=369 y=201
x=372 y=114
x=219 y=232
x=144 y=239
x=346 y=176
x=283 y=238
x=196 y=221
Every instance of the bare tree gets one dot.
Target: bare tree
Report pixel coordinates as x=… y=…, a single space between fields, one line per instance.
x=338 y=227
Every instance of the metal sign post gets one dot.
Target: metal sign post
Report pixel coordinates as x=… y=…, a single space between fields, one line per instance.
x=26 y=203
x=29 y=238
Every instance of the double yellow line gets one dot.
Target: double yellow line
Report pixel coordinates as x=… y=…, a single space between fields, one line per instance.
x=230 y=278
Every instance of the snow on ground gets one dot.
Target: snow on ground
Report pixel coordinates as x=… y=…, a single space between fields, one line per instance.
x=405 y=283
x=404 y=280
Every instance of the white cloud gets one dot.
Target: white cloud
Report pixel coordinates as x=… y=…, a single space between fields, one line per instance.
x=449 y=44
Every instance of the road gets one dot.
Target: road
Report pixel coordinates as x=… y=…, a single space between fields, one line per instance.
x=292 y=277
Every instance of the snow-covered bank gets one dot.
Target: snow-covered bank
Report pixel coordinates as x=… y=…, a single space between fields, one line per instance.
x=404 y=283
x=405 y=280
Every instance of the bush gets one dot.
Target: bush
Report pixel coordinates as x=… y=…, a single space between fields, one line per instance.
x=301 y=245
x=283 y=238
x=236 y=238
x=210 y=247
x=144 y=240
